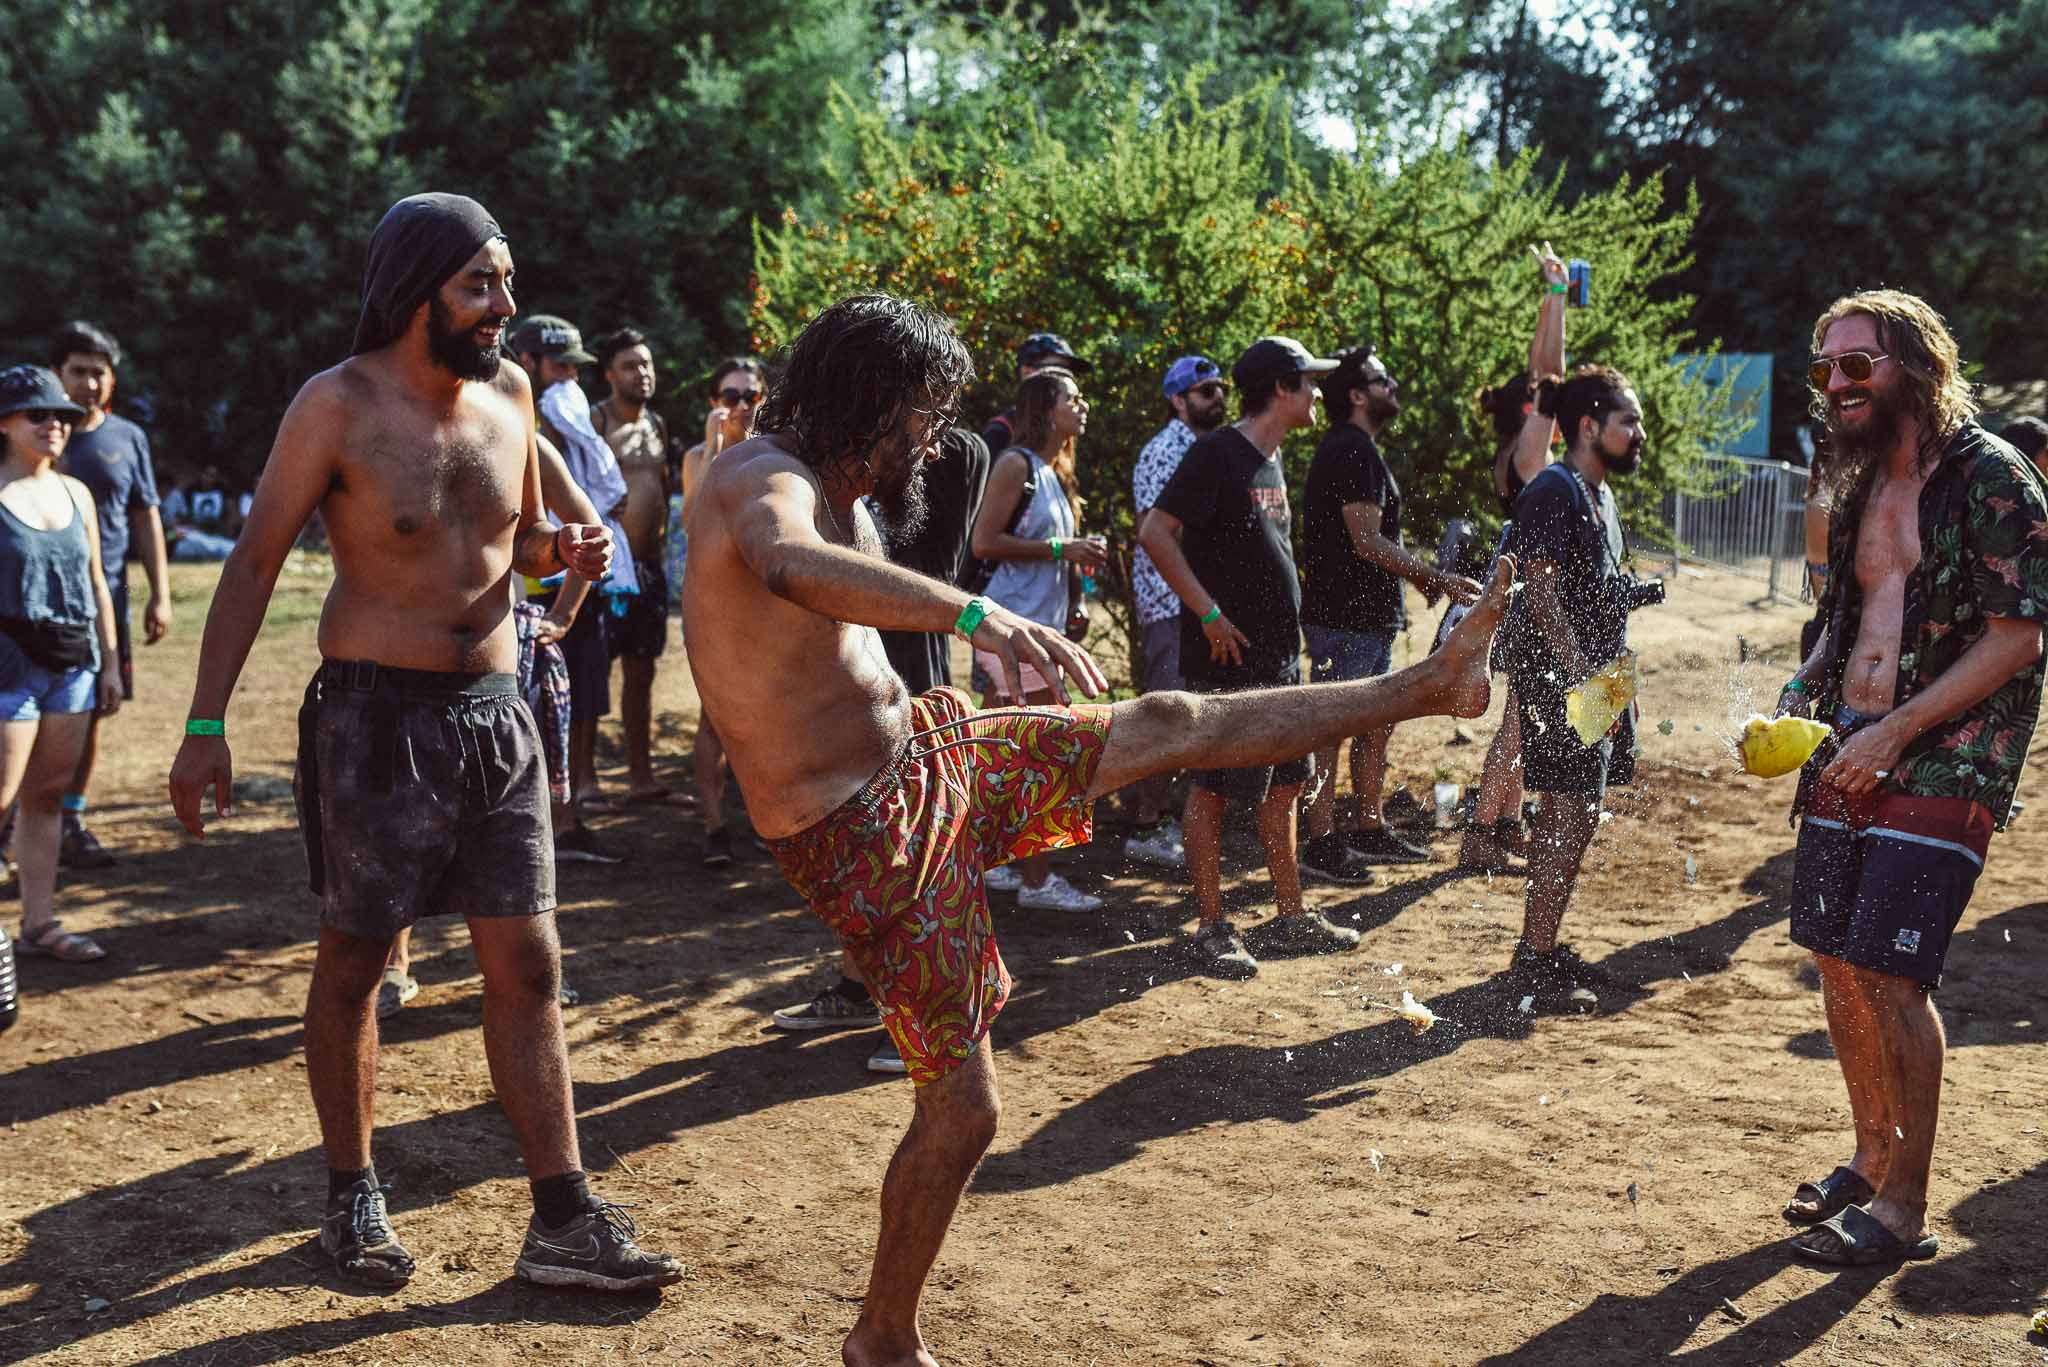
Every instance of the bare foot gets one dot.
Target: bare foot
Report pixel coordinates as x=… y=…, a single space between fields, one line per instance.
x=861 y=1350
x=1463 y=657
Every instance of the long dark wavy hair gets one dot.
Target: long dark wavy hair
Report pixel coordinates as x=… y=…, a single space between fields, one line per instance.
x=853 y=376
x=1914 y=336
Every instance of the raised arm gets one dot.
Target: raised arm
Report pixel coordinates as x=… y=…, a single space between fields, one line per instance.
x=295 y=478
x=1546 y=352
x=771 y=504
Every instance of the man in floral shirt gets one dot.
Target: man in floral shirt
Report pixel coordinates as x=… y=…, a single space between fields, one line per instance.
x=1930 y=670
x=1196 y=395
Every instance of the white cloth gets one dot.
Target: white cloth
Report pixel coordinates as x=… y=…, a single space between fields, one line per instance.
x=1156 y=464
x=596 y=471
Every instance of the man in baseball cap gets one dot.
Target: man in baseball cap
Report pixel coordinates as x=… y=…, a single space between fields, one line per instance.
x=551 y=338
x=1196 y=398
x=1275 y=361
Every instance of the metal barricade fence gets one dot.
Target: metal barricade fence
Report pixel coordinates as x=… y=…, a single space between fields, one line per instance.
x=1748 y=516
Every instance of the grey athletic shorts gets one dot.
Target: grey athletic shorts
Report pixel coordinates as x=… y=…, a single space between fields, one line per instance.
x=421 y=794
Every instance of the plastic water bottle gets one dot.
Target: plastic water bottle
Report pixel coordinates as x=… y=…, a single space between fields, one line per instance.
x=9 y=1005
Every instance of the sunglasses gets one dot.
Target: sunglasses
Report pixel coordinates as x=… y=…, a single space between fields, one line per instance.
x=1855 y=365
x=1210 y=389
x=38 y=416
x=739 y=396
x=1388 y=380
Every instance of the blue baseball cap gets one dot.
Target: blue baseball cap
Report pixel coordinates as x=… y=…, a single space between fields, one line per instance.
x=1188 y=372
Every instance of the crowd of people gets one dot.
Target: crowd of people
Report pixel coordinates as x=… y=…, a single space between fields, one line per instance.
x=499 y=540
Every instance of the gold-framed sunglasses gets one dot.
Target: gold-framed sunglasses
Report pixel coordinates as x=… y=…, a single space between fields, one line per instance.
x=1856 y=367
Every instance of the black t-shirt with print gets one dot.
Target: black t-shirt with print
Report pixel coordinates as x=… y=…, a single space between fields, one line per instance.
x=1232 y=501
x=1555 y=521
x=1340 y=589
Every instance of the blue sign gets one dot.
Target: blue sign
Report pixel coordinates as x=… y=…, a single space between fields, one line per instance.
x=1747 y=377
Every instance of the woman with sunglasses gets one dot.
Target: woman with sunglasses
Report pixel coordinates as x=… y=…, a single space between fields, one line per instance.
x=1029 y=525
x=1495 y=836
x=56 y=628
x=736 y=395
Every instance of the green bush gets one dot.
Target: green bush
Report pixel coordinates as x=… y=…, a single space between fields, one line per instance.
x=1193 y=227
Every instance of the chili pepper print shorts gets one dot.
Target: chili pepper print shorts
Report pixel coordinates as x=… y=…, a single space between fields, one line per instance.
x=897 y=870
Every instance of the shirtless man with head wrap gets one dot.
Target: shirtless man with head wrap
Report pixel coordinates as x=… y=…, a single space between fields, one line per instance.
x=420 y=783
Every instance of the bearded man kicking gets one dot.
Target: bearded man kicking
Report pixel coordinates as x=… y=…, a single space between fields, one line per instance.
x=884 y=810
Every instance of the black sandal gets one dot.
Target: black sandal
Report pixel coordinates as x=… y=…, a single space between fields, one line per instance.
x=1835 y=1193
x=1856 y=1238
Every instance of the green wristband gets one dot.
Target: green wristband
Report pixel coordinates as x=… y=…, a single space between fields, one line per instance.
x=1057 y=549
x=1798 y=685
x=1560 y=289
x=197 y=727
x=1215 y=611
x=971 y=615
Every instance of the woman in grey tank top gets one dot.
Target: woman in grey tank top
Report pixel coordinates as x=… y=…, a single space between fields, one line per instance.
x=1029 y=524
x=56 y=626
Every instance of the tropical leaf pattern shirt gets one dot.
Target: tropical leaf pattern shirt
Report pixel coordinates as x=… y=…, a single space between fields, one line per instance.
x=1156 y=464
x=1983 y=554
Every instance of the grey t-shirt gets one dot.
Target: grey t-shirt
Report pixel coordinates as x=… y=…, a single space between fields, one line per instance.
x=113 y=462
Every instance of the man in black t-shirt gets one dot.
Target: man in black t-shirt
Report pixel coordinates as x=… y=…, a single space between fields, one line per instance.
x=1571 y=621
x=1353 y=566
x=111 y=457
x=1219 y=535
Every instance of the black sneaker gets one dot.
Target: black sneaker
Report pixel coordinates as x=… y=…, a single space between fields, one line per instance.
x=1311 y=932
x=1328 y=859
x=831 y=1009
x=1221 y=954
x=595 y=1249
x=1544 y=982
x=581 y=846
x=356 y=1232
x=717 y=848
x=1378 y=845
x=81 y=850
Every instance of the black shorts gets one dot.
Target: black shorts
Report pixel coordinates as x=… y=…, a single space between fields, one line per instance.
x=642 y=634
x=124 y=637
x=1252 y=785
x=1553 y=758
x=1881 y=884
x=421 y=794
x=588 y=657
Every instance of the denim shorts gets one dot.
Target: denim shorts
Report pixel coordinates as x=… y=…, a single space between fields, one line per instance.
x=1339 y=656
x=28 y=691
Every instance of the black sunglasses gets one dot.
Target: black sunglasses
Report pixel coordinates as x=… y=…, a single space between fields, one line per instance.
x=1210 y=389
x=38 y=416
x=738 y=396
x=1856 y=367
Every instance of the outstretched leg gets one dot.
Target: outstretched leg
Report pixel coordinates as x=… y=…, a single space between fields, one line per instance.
x=953 y=1126
x=1164 y=731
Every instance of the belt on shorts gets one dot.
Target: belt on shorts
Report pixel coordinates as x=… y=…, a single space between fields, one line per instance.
x=387 y=687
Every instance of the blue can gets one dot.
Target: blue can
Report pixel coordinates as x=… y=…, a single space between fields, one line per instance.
x=1579 y=282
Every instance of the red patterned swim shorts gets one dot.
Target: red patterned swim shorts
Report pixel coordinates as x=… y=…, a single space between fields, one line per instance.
x=897 y=870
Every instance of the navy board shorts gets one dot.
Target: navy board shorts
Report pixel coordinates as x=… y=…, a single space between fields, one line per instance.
x=1881 y=881
x=1555 y=760
x=421 y=794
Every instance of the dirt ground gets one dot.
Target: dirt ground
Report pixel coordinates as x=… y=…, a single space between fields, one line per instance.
x=1274 y=1172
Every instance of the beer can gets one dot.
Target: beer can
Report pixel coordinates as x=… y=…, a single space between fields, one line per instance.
x=1579 y=282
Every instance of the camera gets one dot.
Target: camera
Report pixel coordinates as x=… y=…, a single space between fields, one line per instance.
x=1641 y=593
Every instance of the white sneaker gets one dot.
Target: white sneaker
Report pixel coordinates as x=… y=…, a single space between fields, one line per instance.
x=887 y=1059
x=1004 y=879
x=1056 y=894
x=1161 y=845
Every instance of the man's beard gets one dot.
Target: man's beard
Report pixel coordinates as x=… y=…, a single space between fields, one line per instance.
x=1626 y=461
x=1381 y=409
x=900 y=500
x=1206 y=418
x=459 y=353
x=1873 y=438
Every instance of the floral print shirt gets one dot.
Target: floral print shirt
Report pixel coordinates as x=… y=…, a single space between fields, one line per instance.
x=1156 y=464
x=1983 y=554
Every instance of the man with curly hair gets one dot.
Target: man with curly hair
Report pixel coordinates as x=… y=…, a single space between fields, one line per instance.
x=1929 y=668
x=886 y=811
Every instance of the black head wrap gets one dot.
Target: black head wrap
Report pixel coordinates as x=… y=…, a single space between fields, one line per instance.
x=419 y=243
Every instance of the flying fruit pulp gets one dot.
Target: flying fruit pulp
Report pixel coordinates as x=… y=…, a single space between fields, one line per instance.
x=1771 y=748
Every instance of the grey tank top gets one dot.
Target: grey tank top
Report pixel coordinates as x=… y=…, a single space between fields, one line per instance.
x=1037 y=589
x=46 y=576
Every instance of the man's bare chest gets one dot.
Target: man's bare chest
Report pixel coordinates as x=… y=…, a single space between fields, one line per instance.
x=462 y=474
x=1888 y=540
